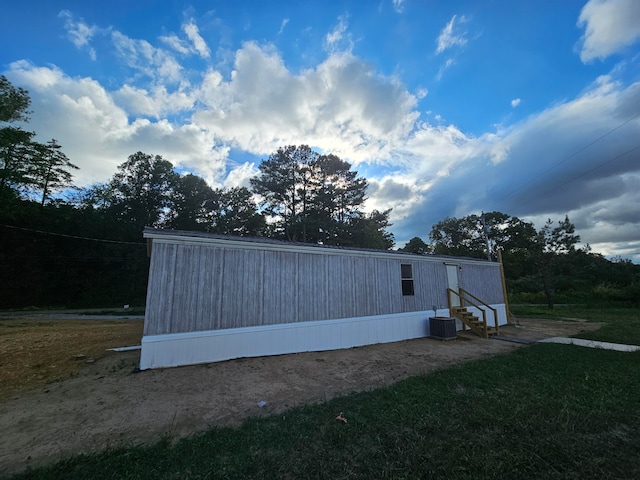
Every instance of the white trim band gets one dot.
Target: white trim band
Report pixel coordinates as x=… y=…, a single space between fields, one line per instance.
x=171 y=350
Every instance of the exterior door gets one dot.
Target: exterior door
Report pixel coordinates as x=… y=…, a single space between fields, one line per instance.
x=452 y=279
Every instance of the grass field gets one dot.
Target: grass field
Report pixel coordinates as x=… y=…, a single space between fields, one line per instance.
x=546 y=411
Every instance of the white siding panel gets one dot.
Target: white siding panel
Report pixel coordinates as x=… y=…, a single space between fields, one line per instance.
x=216 y=345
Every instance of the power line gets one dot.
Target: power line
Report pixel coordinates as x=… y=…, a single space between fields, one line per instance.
x=62 y=257
x=531 y=180
x=581 y=174
x=72 y=236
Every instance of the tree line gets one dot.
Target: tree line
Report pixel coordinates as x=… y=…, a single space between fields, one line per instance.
x=540 y=264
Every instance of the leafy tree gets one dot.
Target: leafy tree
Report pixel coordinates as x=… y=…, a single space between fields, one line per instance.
x=50 y=170
x=15 y=142
x=415 y=245
x=316 y=198
x=370 y=231
x=142 y=192
x=14 y=102
x=191 y=199
x=466 y=236
x=15 y=155
x=285 y=185
x=551 y=249
x=27 y=166
x=233 y=212
x=339 y=194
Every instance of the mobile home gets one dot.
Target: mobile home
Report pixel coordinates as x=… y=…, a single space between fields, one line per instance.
x=213 y=297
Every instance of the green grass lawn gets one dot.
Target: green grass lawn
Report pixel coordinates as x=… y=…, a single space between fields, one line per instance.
x=545 y=411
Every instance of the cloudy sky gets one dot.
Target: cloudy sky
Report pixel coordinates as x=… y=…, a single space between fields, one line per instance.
x=448 y=108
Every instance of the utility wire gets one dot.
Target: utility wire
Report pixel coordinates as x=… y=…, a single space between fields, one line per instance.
x=115 y=259
x=72 y=236
x=571 y=156
x=581 y=174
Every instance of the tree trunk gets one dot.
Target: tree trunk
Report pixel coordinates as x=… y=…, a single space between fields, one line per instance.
x=548 y=292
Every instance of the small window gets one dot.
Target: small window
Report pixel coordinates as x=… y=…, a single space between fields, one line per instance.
x=406 y=272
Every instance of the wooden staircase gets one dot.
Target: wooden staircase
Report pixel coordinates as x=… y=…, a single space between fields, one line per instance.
x=475 y=324
x=469 y=320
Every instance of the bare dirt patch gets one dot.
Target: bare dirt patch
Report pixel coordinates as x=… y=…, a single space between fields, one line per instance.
x=37 y=350
x=105 y=404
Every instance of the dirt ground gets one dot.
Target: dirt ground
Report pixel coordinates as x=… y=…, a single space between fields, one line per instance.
x=107 y=404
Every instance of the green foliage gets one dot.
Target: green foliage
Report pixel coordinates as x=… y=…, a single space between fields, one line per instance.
x=49 y=170
x=369 y=231
x=318 y=199
x=416 y=245
x=466 y=236
x=14 y=102
x=141 y=192
x=233 y=212
x=26 y=166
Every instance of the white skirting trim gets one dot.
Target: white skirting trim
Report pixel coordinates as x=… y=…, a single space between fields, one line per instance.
x=172 y=350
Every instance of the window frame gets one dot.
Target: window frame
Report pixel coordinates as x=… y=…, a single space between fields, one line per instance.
x=406 y=280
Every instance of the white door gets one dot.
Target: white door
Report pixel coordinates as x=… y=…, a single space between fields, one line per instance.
x=452 y=278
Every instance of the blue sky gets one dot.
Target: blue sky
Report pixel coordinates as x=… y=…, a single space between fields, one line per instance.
x=448 y=108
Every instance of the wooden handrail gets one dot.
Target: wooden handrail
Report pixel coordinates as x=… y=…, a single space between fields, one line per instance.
x=495 y=311
x=462 y=304
x=461 y=295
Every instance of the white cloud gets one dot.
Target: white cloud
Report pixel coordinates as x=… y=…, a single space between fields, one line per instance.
x=400 y=193
x=443 y=68
x=398 y=5
x=610 y=25
x=79 y=32
x=192 y=32
x=176 y=43
x=240 y=175
x=284 y=23
x=451 y=35
x=156 y=102
x=143 y=57
x=96 y=133
x=515 y=102
x=342 y=105
x=339 y=39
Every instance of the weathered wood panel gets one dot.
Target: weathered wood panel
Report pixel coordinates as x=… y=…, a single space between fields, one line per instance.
x=242 y=288
x=430 y=284
x=388 y=286
x=483 y=281
x=209 y=308
x=185 y=290
x=160 y=289
x=313 y=302
x=206 y=287
x=280 y=283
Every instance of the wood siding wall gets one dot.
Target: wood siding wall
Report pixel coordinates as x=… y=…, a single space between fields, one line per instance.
x=196 y=287
x=483 y=281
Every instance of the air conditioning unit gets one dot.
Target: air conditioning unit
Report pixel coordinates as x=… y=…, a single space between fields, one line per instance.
x=442 y=328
